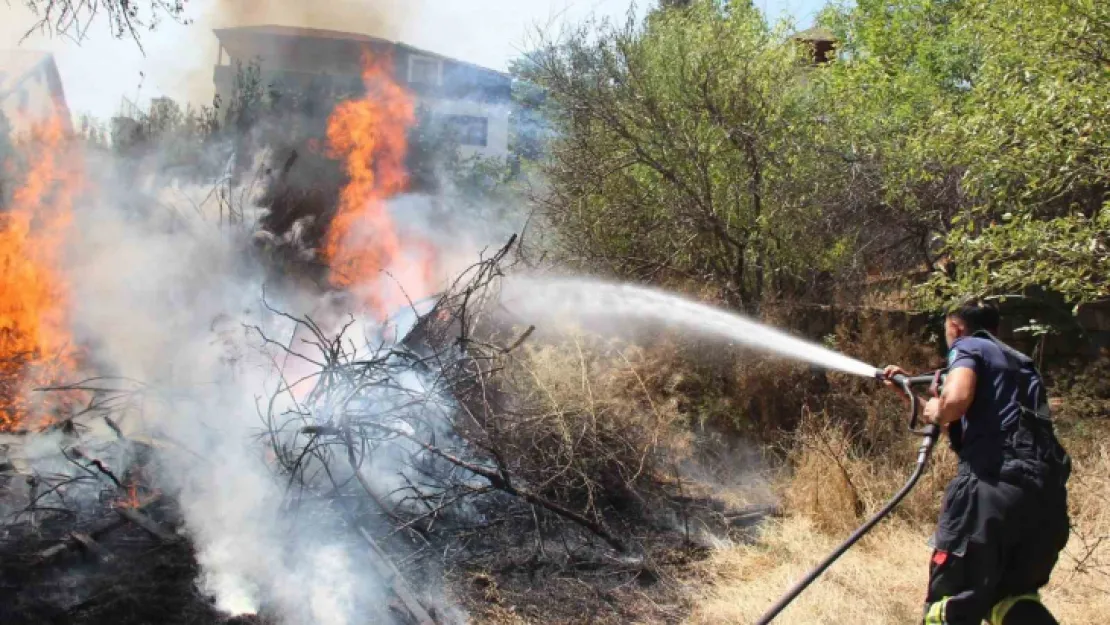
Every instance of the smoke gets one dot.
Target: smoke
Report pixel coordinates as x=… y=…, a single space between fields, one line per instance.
x=174 y=309
x=176 y=59
x=164 y=297
x=376 y=18
x=370 y=17
x=457 y=229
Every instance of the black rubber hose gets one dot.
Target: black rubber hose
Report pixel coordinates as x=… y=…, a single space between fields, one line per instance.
x=929 y=438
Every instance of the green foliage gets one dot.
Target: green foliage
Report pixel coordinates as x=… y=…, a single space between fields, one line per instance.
x=529 y=131
x=1032 y=135
x=899 y=64
x=962 y=144
x=987 y=123
x=687 y=149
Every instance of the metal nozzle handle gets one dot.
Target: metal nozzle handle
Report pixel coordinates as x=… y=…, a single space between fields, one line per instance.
x=907 y=383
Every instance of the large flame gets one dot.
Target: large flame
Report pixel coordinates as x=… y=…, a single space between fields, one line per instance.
x=364 y=249
x=35 y=344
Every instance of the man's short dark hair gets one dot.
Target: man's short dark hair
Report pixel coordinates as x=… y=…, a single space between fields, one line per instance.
x=977 y=315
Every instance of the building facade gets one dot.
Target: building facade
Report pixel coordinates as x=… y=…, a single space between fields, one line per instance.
x=31 y=90
x=471 y=100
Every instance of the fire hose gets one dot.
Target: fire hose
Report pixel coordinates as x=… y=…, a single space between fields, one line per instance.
x=929 y=434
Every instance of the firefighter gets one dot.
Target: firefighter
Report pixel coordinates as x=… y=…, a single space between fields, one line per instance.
x=1004 y=520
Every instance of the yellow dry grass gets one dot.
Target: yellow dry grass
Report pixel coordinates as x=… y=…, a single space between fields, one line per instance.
x=882 y=579
x=879 y=582
x=838 y=471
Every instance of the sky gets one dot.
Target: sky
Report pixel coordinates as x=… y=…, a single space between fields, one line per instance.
x=178 y=59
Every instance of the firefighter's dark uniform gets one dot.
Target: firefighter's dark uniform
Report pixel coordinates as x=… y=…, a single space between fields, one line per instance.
x=1005 y=516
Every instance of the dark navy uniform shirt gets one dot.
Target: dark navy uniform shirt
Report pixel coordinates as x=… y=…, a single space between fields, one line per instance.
x=1003 y=384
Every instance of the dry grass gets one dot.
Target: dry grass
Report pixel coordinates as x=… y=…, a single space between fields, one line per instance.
x=822 y=487
x=1081 y=585
x=591 y=422
x=835 y=484
x=843 y=449
x=882 y=579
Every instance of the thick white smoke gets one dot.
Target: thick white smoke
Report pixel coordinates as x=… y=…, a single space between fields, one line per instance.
x=168 y=298
x=165 y=296
x=171 y=306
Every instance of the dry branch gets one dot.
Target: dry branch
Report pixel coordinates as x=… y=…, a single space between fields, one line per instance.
x=105 y=526
x=147 y=524
x=502 y=481
x=443 y=432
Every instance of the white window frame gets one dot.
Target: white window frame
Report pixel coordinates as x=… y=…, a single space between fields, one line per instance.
x=437 y=63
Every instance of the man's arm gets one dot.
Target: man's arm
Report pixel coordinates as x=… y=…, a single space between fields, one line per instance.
x=955 y=399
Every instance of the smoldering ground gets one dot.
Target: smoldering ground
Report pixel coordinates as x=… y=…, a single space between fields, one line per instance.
x=146 y=298
x=177 y=306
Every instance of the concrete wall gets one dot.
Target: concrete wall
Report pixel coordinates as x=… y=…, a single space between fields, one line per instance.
x=497 y=116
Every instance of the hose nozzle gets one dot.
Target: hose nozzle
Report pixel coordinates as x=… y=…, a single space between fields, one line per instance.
x=902 y=380
x=906 y=384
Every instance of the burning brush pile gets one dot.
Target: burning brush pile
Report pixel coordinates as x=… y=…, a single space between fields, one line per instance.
x=189 y=436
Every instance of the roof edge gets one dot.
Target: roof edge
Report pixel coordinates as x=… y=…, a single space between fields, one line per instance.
x=337 y=35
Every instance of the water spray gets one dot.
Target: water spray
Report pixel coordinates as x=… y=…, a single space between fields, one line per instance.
x=601 y=303
x=589 y=300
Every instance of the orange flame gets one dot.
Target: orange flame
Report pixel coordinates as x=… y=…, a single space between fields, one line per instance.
x=132 y=500
x=35 y=344
x=370 y=136
x=137 y=495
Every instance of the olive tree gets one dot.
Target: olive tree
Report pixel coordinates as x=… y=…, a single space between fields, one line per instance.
x=688 y=148
x=986 y=125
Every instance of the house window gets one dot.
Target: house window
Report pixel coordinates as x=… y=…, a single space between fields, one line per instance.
x=469 y=130
x=424 y=70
